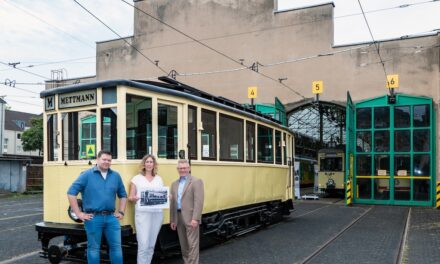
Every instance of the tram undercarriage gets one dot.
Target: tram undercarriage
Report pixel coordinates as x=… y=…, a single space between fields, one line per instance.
x=217 y=226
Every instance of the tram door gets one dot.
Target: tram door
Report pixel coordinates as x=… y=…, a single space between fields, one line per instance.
x=395 y=143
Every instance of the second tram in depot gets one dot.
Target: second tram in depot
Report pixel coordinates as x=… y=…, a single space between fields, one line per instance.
x=243 y=157
x=331 y=173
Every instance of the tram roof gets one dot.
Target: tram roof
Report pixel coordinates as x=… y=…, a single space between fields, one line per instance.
x=171 y=87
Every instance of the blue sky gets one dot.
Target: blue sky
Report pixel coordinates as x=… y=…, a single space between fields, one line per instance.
x=47 y=35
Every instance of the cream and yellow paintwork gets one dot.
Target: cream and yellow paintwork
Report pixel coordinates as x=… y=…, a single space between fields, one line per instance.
x=337 y=176
x=227 y=184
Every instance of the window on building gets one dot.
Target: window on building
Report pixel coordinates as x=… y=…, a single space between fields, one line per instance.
x=18 y=136
x=139 y=128
x=167 y=131
x=250 y=141
x=231 y=138
x=52 y=144
x=109 y=131
x=265 y=144
x=192 y=132
x=5 y=145
x=209 y=133
x=79 y=135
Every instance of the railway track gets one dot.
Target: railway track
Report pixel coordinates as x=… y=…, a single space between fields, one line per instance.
x=398 y=258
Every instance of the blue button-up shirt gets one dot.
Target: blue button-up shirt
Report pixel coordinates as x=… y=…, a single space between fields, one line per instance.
x=98 y=194
x=182 y=182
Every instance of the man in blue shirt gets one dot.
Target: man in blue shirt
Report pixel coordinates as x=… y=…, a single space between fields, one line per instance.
x=98 y=187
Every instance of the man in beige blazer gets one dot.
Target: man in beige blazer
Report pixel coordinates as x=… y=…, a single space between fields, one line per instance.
x=187 y=195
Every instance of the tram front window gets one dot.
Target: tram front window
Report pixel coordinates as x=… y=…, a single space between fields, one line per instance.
x=167 y=131
x=79 y=135
x=52 y=146
x=139 y=129
x=330 y=164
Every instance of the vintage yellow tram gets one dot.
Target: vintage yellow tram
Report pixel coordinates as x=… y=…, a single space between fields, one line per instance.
x=331 y=172
x=243 y=157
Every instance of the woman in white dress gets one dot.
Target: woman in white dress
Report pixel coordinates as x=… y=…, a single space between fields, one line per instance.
x=148 y=221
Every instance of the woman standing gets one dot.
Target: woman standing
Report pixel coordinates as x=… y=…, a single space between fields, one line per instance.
x=148 y=221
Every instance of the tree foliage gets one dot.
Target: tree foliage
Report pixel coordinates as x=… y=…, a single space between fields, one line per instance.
x=32 y=138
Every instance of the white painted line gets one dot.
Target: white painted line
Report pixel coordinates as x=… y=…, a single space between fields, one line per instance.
x=16 y=228
x=26 y=255
x=20 y=216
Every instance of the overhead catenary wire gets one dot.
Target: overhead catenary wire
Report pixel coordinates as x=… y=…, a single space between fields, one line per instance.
x=374 y=42
x=47 y=23
x=126 y=41
x=35 y=74
x=21 y=89
x=285 y=26
x=212 y=49
x=26 y=103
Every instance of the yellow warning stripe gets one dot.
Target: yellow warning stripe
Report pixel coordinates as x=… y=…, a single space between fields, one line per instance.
x=348 y=193
x=437 y=204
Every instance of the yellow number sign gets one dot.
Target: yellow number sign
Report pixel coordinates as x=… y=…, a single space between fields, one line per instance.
x=393 y=81
x=252 y=92
x=317 y=87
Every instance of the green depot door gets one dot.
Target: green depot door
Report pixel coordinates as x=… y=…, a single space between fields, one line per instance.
x=394 y=153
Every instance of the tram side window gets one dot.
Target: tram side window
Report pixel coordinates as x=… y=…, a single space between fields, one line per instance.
x=209 y=139
x=79 y=135
x=265 y=142
x=250 y=141
x=231 y=138
x=167 y=131
x=139 y=128
x=284 y=149
x=52 y=145
x=192 y=132
x=278 y=146
x=109 y=131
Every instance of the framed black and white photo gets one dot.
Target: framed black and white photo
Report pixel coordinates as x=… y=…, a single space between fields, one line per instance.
x=154 y=197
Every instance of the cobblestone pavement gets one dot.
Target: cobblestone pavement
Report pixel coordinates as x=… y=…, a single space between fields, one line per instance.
x=374 y=238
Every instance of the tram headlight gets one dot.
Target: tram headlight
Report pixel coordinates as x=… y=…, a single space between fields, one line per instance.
x=72 y=214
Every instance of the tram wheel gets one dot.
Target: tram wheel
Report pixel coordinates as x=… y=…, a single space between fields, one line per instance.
x=56 y=254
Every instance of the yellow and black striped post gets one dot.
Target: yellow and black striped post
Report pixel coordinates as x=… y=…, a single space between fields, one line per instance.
x=348 y=193
x=437 y=204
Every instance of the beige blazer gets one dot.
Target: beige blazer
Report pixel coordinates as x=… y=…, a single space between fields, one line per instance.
x=192 y=200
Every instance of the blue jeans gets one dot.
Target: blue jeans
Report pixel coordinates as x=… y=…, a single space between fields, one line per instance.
x=108 y=224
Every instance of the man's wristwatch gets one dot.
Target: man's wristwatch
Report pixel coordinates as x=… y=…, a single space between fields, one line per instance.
x=122 y=213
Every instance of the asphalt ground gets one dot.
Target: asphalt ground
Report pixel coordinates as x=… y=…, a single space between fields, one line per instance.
x=322 y=231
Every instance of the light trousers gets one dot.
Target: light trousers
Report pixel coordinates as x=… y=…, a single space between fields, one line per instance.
x=189 y=241
x=148 y=225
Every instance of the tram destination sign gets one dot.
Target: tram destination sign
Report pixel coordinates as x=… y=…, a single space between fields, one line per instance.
x=76 y=99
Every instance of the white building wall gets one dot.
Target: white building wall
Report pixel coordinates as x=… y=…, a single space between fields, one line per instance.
x=12 y=144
